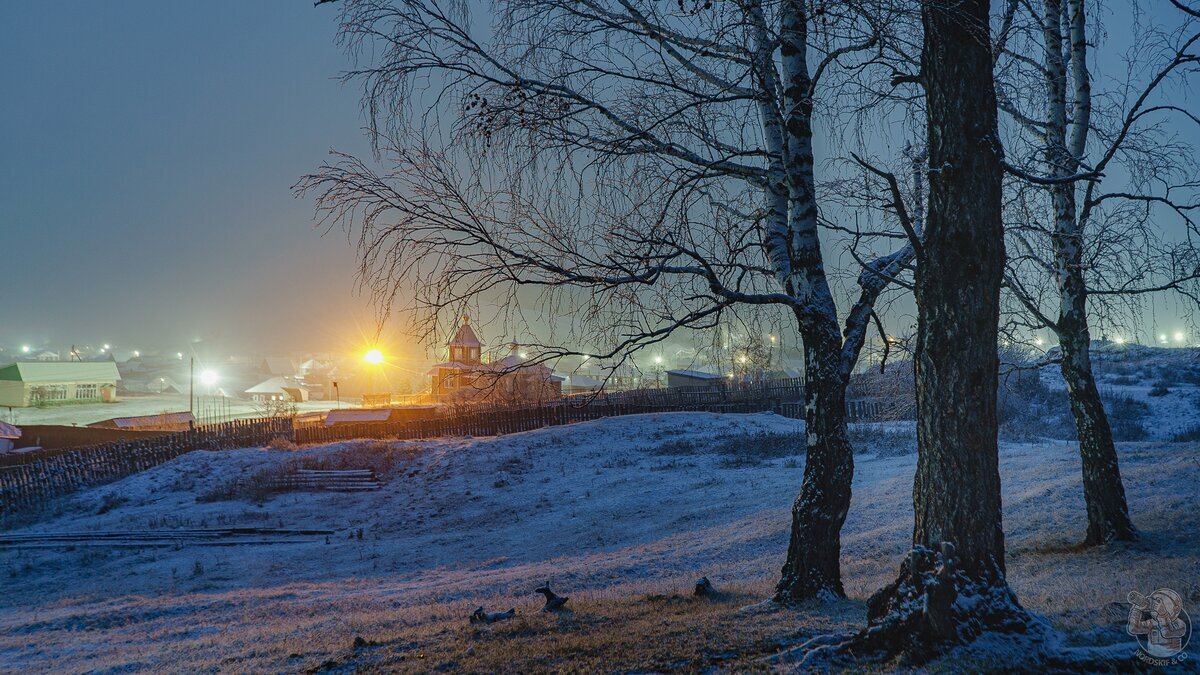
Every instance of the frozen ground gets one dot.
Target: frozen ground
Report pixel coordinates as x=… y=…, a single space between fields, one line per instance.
x=645 y=502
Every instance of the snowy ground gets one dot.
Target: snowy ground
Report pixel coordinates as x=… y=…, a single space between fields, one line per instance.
x=133 y=406
x=1167 y=380
x=632 y=502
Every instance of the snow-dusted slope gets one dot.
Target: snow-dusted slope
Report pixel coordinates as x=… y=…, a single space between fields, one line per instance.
x=631 y=500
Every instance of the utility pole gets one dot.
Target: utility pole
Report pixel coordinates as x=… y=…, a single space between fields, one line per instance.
x=192 y=385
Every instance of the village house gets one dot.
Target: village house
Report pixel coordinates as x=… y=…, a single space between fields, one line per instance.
x=36 y=383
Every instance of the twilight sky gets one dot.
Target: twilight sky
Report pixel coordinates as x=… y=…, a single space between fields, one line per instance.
x=148 y=150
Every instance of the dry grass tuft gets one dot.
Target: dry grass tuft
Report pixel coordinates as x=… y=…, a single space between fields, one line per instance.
x=601 y=632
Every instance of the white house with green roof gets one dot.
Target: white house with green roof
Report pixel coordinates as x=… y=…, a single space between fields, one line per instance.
x=58 y=382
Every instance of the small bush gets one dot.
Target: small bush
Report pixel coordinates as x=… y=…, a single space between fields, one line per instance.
x=1188 y=436
x=1028 y=410
x=1168 y=376
x=254 y=487
x=885 y=442
x=741 y=450
x=677 y=446
x=111 y=501
x=1159 y=389
x=736 y=450
x=281 y=443
x=383 y=457
x=1126 y=416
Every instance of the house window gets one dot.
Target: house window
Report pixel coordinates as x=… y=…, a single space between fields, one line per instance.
x=49 y=392
x=86 y=391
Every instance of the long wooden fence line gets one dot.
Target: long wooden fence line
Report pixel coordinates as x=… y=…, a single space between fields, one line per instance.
x=27 y=480
x=512 y=420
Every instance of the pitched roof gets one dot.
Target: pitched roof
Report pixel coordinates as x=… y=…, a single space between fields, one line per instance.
x=465 y=337
x=274 y=385
x=352 y=416
x=696 y=374
x=161 y=419
x=61 y=371
x=580 y=380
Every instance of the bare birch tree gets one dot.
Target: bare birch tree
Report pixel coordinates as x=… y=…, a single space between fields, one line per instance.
x=645 y=167
x=1070 y=232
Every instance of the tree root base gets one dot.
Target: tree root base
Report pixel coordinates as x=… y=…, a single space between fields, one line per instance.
x=934 y=608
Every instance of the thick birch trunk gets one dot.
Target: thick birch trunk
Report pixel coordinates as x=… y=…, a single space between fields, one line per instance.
x=952 y=586
x=956 y=493
x=812 y=568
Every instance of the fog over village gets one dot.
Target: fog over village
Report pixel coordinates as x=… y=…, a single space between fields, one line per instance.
x=601 y=336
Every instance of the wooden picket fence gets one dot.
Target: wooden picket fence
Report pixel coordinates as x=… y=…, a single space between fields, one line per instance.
x=508 y=420
x=28 y=480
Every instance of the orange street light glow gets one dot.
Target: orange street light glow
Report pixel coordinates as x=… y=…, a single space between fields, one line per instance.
x=373 y=357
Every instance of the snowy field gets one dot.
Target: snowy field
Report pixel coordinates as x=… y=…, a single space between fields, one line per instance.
x=605 y=509
x=133 y=406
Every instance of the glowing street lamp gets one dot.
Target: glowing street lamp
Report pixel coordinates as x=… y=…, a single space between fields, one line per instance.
x=658 y=360
x=208 y=377
x=1162 y=338
x=24 y=349
x=1119 y=340
x=1178 y=336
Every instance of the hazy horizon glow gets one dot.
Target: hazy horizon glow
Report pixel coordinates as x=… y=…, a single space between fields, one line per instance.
x=149 y=149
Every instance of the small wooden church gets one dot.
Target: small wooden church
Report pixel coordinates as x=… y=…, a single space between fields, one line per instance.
x=464 y=376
